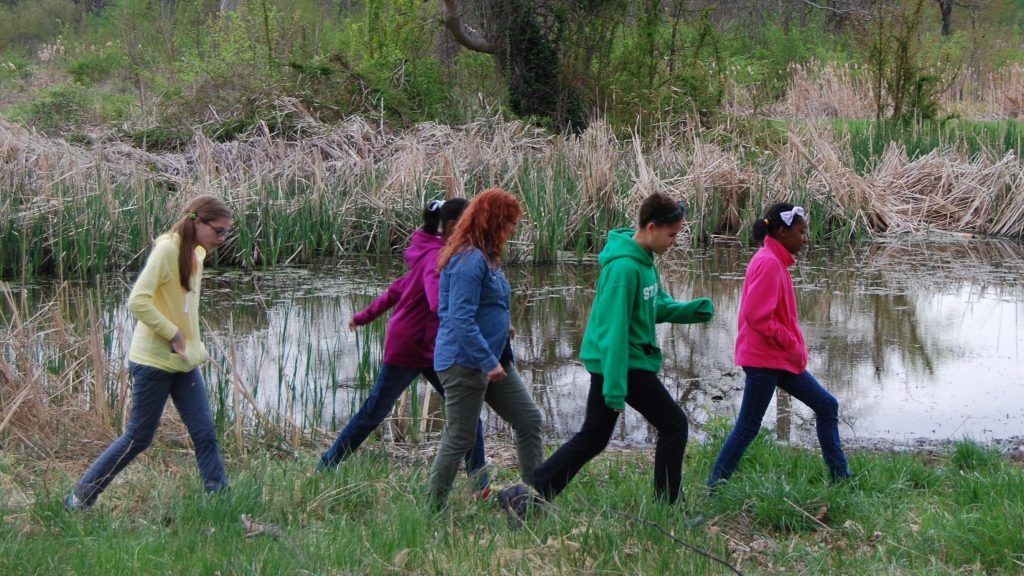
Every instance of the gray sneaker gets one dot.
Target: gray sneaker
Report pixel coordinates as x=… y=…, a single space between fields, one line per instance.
x=73 y=503
x=518 y=500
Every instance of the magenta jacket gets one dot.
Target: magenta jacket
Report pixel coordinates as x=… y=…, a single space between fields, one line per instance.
x=769 y=333
x=409 y=341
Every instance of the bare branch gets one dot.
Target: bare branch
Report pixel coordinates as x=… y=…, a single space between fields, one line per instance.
x=463 y=34
x=842 y=11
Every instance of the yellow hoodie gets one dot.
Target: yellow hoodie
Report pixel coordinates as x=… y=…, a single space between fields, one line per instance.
x=162 y=307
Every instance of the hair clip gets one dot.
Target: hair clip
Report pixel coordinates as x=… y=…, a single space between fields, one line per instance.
x=191 y=215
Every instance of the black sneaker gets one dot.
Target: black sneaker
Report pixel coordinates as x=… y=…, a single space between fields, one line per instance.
x=517 y=500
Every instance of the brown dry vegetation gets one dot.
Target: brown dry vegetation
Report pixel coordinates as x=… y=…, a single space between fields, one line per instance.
x=54 y=376
x=817 y=90
x=381 y=172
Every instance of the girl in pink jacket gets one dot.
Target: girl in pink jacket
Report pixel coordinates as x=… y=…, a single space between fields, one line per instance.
x=770 y=346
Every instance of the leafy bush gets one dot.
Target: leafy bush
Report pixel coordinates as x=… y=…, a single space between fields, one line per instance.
x=57 y=107
x=95 y=65
x=13 y=68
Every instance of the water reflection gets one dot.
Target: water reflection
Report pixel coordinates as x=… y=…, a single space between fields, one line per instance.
x=916 y=339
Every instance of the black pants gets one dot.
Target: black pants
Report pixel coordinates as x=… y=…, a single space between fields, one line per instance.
x=650 y=398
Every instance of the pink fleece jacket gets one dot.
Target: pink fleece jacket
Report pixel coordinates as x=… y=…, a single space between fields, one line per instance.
x=409 y=340
x=769 y=333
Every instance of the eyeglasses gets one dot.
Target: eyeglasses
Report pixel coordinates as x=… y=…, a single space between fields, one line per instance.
x=221 y=233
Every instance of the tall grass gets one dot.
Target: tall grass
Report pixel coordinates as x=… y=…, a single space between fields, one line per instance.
x=869 y=140
x=829 y=89
x=76 y=212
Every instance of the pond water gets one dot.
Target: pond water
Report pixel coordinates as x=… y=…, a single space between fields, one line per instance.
x=917 y=339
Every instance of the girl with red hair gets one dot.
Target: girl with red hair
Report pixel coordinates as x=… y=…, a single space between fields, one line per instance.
x=472 y=353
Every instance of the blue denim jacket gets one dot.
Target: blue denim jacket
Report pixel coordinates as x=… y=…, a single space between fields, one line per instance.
x=473 y=306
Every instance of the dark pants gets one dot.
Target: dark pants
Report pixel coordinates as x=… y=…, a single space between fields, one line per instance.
x=757 y=394
x=150 y=389
x=649 y=397
x=391 y=382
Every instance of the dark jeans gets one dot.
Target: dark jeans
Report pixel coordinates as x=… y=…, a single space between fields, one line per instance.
x=150 y=389
x=391 y=382
x=649 y=397
x=757 y=394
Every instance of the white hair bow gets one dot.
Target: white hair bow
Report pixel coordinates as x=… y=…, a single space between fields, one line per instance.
x=787 y=216
x=435 y=205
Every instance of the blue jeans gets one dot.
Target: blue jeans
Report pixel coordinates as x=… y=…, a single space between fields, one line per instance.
x=150 y=389
x=391 y=382
x=757 y=394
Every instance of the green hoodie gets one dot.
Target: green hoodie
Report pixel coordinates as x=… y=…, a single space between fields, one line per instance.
x=620 y=332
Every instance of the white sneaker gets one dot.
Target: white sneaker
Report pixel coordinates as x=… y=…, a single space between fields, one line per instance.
x=73 y=503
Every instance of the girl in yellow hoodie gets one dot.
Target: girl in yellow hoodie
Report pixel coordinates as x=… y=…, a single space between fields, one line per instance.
x=166 y=351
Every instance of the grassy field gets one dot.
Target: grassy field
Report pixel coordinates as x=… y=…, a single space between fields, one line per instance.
x=954 y=513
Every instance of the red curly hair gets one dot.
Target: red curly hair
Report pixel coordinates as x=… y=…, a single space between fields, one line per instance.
x=482 y=226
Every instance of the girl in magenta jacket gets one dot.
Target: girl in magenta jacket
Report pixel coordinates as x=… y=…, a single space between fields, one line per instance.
x=770 y=346
x=409 y=340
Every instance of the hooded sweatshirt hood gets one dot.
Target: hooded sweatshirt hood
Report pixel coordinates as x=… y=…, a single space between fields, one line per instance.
x=409 y=340
x=622 y=245
x=423 y=246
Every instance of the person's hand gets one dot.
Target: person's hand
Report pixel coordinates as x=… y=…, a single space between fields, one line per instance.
x=178 y=343
x=352 y=325
x=496 y=373
x=511 y=332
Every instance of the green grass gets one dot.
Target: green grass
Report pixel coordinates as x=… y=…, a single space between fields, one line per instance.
x=869 y=139
x=960 y=513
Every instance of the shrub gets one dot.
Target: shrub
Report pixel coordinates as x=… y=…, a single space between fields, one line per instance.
x=57 y=107
x=95 y=65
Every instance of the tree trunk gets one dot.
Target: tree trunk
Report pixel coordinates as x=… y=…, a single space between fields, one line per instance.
x=229 y=5
x=524 y=37
x=451 y=15
x=166 y=10
x=946 y=10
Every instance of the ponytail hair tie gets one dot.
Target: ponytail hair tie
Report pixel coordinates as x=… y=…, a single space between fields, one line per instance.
x=435 y=205
x=191 y=215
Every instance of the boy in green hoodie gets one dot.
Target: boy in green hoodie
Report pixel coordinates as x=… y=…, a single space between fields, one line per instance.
x=621 y=353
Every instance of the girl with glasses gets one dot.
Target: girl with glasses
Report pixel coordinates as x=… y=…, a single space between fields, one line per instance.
x=166 y=351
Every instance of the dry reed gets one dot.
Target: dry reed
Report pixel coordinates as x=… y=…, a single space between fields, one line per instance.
x=816 y=90
x=368 y=180
x=54 y=380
